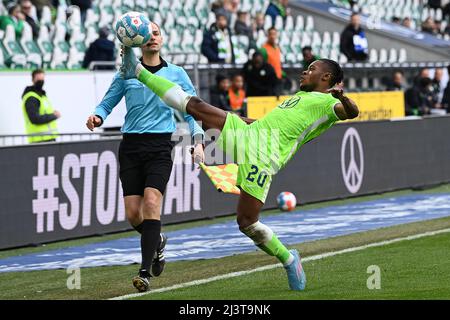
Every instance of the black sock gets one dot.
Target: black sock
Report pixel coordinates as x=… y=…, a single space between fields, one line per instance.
x=138 y=228
x=150 y=239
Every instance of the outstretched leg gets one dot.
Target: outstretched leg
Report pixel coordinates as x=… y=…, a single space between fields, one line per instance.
x=264 y=238
x=171 y=93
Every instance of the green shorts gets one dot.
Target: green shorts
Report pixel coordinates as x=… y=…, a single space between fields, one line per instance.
x=235 y=139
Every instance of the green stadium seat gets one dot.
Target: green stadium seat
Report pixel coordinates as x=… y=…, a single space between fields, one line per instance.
x=31 y=49
x=15 y=56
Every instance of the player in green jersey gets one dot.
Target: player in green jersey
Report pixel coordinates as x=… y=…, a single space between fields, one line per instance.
x=314 y=109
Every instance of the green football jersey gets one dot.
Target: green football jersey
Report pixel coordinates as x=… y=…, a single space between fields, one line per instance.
x=294 y=122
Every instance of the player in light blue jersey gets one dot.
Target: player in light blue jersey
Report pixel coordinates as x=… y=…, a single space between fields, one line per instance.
x=145 y=151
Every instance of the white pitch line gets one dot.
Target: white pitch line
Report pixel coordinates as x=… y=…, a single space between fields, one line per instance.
x=277 y=265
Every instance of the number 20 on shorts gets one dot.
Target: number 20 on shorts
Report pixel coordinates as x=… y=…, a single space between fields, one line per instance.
x=262 y=177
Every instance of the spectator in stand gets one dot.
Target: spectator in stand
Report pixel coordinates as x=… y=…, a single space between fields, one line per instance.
x=353 y=40
x=231 y=5
x=258 y=23
x=216 y=44
x=429 y=26
x=84 y=5
x=272 y=55
x=227 y=7
x=277 y=8
x=236 y=95
x=446 y=96
x=259 y=77
x=308 y=57
x=241 y=26
x=396 y=20
x=397 y=82
x=14 y=18
x=423 y=73
x=101 y=49
x=446 y=11
x=25 y=6
x=218 y=95
x=407 y=23
x=39 y=4
x=434 y=4
x=419 y=99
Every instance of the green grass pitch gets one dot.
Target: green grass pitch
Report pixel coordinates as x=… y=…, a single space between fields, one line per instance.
x=412 y=269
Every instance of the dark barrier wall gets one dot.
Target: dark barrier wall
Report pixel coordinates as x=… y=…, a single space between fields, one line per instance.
x=61 y=191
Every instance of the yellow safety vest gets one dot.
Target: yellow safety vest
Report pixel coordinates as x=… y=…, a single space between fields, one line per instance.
x=44 y=108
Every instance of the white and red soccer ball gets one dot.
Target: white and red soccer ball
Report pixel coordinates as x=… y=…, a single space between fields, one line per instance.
x=133 y=29
x=286 y=201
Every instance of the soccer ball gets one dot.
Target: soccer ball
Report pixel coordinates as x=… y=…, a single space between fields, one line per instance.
x=133 y=29
x=286 y=201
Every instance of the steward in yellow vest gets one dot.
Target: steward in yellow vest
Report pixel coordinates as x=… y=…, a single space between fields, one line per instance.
x=39 y=115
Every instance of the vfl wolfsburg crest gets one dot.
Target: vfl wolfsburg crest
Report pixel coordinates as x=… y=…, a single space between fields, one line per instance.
x=289 y=103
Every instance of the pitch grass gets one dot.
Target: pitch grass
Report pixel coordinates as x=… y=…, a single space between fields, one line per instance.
x=409 y=270
x=78 y=242
x=416 y=269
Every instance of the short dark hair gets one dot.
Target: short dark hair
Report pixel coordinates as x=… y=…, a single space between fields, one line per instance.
x=10 y=7
x=305 y=48
x=272 y=29
x=35 y=72
x=337 y=75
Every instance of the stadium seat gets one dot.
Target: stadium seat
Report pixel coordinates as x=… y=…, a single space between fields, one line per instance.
x=383 y=57
x=45 y=46
x=279 y=23
x=306 y=39
x=2 y=58
x=373 y=55
x=77 y=49
x=334 y=54
x=91 y=18
x=342 y=59
x=299 y=23
x=316 y=41
x=309 y=26
x=289 y=25
x=46 y=17
x=34 y=56
x=402 y=56
x=16 y=57
x=61 y=48
x=393 y=58
x=74 y=21
x=267 y=22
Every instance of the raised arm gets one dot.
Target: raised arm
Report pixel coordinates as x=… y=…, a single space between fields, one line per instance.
x=347 y=109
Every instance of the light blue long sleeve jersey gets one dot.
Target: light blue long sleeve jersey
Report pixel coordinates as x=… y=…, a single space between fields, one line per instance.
x=146 y=112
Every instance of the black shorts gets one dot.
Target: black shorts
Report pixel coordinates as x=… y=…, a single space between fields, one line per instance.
x=145 y=161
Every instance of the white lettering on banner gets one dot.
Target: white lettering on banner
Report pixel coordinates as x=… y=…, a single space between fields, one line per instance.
x=102 y=185
x=69 y=220
x=45 y=202
x=46 y=183
x=88 y=161
x=183 y=185
x=105 y=215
